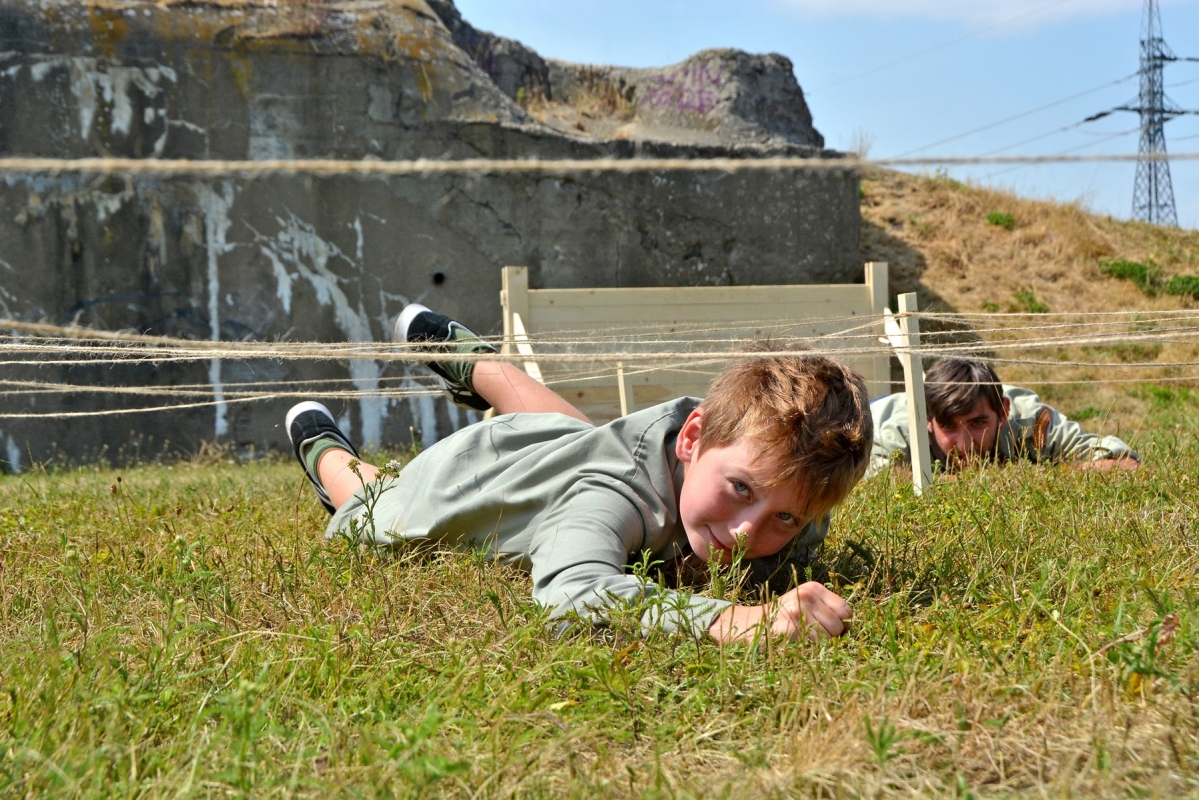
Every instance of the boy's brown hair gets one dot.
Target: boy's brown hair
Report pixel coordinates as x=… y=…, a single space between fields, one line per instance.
x=953 y=385
x=811 y=414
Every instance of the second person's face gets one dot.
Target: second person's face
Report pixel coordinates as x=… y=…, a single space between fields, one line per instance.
x=969 y=436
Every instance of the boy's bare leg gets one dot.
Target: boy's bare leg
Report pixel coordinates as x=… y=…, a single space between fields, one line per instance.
x=509 y=389
x=476 y=384
x=339 y=480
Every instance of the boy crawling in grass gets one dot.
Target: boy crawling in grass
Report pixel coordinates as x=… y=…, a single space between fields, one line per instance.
x=755 y=467
x=973 y=418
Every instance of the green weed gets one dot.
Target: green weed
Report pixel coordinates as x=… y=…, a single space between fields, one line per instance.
x=1147 y=278
x=1182 y=285
x=1002 y=219
x=1025 y=300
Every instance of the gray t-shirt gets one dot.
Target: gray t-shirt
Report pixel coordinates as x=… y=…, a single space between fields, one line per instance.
x=570 y=503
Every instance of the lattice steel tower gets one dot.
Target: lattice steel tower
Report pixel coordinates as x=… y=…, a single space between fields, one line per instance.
x=1153 y=193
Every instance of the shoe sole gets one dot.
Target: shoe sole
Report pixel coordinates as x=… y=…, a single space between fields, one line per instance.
x=406 y=316
x=300 y=408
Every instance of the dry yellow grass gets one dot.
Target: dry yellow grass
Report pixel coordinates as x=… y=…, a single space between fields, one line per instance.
x=935 y=233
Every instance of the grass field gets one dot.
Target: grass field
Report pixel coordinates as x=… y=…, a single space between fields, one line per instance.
x=183 y=630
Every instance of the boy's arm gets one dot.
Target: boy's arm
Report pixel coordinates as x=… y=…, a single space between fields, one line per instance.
x=578 y=559
x=810 y=611
x=890 y=433
x=1059 y=439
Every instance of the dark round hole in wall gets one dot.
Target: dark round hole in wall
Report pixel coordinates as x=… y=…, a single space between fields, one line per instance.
x=439 y=277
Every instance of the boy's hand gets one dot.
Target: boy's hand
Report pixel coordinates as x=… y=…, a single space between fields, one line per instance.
x=809 y=611
x=1105 y=464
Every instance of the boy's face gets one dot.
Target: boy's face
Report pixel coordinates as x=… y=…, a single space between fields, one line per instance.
x=971 y=435
x=724 y=503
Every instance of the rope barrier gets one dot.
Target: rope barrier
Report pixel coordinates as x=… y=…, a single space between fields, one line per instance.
x=669 y=349
x=121 y=347
x=325 y=167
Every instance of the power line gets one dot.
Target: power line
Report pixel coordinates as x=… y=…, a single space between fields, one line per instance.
x=935 y=48
x=1021 y=115
x=1105 y=134
x=1032 y=139
x=1067 y=152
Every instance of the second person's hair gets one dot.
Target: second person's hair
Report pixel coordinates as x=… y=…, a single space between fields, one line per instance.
x=953 y=385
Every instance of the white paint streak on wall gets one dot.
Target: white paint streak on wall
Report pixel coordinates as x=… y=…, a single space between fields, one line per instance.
x=14 y=454
x=357 y=226
x=69 y=194
x=283 y=278
x=109 y=203
x=216 y=225
x=428 y=419
x=297 y=245
x=92 y=79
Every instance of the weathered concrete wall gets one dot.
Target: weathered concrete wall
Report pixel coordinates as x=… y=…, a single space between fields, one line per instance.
x=337 y=258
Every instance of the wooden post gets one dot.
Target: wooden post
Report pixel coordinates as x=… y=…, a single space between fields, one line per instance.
x=626 y=391
x=514 y=297
x=877 y=286
x=520 y=339
x=913 y=380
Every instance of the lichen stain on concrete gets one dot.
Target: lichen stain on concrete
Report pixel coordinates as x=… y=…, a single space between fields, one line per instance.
x=108 y=29
x=156 y=238
x=242 y=72
x=65 y=193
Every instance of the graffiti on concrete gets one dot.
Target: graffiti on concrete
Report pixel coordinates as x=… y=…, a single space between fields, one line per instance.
x=692 y=88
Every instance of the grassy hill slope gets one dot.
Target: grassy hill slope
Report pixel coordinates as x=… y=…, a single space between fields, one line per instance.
x=936 y=234
x=968 y=249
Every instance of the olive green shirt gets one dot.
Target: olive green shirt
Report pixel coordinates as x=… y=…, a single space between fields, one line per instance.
x=1034 y=431
x=571 y=503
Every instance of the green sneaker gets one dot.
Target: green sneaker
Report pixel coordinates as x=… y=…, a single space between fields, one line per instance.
x=418 y=325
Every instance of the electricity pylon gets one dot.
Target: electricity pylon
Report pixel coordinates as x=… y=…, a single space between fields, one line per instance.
x=1152 y=192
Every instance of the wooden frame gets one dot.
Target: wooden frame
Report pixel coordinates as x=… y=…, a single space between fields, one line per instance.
x=695 y=319
x=913 y=383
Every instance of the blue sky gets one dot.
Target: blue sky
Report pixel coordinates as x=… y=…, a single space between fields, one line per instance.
x=959 y=65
